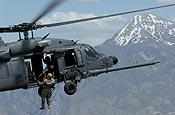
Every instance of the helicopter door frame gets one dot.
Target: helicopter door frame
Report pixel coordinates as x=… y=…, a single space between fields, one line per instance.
x=34 y=66
x=79 y=58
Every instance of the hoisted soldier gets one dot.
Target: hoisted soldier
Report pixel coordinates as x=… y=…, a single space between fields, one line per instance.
x=46 y=92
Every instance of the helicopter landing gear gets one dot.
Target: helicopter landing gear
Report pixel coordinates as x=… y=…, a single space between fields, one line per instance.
x=70 y=88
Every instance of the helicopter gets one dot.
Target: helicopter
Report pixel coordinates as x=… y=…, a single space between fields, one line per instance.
x=21 y=62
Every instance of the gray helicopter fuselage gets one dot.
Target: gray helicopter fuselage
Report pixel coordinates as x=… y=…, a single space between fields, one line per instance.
x=21 y=63
x=19 y=59
x=75 y=59
x=13 y=74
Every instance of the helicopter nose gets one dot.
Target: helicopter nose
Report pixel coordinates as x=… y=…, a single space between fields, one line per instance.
x=114 y=59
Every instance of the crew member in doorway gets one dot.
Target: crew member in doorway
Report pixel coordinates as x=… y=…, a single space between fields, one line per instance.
x=47 y=61
x=46 y=93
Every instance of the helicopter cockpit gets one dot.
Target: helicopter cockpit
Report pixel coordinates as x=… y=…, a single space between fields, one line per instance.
x=91 y=53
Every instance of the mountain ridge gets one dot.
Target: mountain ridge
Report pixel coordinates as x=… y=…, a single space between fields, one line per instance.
x=146 y=26
x=148 y=90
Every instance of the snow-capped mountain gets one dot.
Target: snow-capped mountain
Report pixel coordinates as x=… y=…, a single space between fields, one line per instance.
x=148 y=90
x=146 y=26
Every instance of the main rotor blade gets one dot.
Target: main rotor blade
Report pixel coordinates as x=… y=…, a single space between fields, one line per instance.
x=50 y=7
x=31 y=26
x=100 y=17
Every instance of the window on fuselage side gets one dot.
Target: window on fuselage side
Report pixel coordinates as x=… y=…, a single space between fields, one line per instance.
x=69 y=58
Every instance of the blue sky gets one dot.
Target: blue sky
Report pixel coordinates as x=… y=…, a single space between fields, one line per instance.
x=93 y=33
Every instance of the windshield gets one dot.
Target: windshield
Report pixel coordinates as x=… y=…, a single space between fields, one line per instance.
x=91 y=53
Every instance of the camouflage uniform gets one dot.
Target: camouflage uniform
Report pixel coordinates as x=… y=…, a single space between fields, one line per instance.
x=46 y=92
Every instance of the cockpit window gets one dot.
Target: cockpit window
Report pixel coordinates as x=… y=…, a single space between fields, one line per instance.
x=90 y=52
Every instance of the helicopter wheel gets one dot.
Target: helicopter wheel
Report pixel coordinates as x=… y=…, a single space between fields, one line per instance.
x=70 y=88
